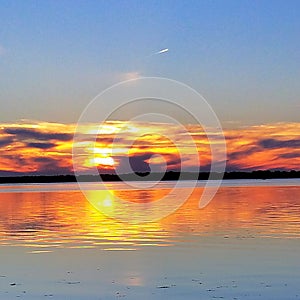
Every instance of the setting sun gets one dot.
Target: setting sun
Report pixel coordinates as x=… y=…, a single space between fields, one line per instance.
x=104 y=161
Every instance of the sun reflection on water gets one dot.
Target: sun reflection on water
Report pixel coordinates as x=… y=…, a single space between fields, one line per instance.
x=49 y=220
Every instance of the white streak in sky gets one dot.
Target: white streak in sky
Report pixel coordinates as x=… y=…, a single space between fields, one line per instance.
x=162 y=51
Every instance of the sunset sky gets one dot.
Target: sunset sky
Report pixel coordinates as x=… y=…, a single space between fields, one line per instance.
x=46 y=148
x=56 y=56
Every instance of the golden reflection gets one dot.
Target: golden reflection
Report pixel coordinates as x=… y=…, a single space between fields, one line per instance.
x=66 y=219
x=102 y=200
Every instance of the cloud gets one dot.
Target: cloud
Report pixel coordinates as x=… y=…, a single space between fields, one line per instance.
x=140 y=162
x=134 y=163
x=28 y=133
x=41 y=145
x=268 y=146
x=30 y=142
x=4 y=141
x=51 y=166
x=130 y=75
x=106 y=140
x=242 y=153
x=45 y=160
x=289 y=155
x=274 y=144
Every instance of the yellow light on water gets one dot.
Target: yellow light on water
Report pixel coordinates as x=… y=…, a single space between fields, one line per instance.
x=107 y=202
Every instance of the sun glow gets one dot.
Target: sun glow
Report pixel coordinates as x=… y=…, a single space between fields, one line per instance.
x=46 y=148
x=104 y=161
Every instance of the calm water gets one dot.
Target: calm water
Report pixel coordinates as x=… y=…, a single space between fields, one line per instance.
x=58 y=215
x=244 y=245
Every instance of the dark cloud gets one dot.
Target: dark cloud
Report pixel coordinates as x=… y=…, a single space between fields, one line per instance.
x=233 y=167
x=9 y=173
x=289 y=155
x=106 y=140
x=14 y=159
x=138 y=164
x=51 y=166
x=44 y=160
x=5 y=141
x=233 y=137
x=41 y=145
x=44 y=165
x=146 y=147
x=134 y=163
x=242 y=153
x=27 y=133
x=274 y=144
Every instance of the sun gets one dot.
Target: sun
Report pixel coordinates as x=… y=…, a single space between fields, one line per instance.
x=104 y=161
x=100 y=157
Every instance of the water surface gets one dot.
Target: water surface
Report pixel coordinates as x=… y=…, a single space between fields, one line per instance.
x=244 y=245
x=58 y=215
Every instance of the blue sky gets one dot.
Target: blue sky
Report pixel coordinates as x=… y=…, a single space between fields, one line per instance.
x=242 y=56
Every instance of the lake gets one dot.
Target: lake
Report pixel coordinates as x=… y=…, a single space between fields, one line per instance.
x=244 y=245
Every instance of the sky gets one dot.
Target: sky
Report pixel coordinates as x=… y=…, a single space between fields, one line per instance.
x=46 y=148
x=242 y=56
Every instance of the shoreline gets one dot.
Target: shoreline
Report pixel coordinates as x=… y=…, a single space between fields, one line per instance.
x=169 y=176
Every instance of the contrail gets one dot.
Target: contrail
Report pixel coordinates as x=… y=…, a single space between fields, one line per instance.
x=162 y=51
x=159 y=52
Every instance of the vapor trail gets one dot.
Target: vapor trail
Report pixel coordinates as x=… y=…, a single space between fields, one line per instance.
x=159 y=52
x=162 y=51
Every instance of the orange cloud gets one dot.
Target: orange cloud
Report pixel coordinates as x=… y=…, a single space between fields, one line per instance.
x=46 y=148
x=271 y=146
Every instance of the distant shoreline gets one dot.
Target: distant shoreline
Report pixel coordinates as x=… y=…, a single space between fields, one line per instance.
x=267 y=174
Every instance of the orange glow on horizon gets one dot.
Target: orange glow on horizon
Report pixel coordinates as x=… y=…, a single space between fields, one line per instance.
x=46 y=148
